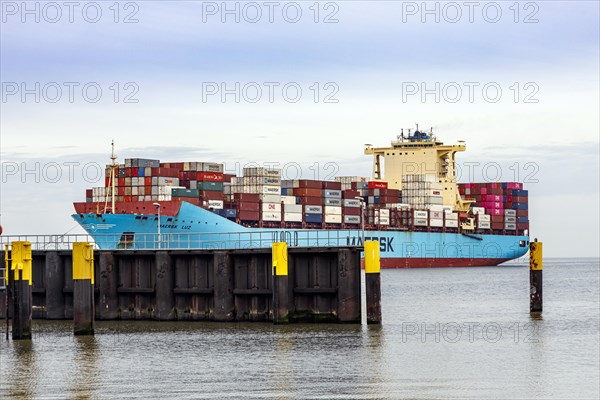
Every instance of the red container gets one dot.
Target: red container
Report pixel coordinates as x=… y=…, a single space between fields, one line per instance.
x=309 y=184
x=522 y=225
x=388 y=199
x=135 y=172
x=227 y=177
x=350 y=194
x=211 y=195
x=496 y=190
x=106 y=182
x=350 y=210
x=248 y=215
x=120 y=181
x=127 y=198
x=148 y=181
x=121 y=191
x=461 y=190
x=210 y=177
x=482 y=190
x=331 y=185
x=497 y=219
x=310 y=201
x=377 y=185
x=248 y=206
x=520 y=199
x=522 y=213
x=497 y=226
x=89 y=193
x=246 y=197
x=308 y=192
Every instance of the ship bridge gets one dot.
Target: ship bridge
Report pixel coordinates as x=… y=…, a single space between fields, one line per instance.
x=419 y=153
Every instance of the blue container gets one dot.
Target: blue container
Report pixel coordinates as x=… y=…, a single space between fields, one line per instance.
x=230 y=213
x=313 y=218
x=504 y=199
x=284 y=191
x=522 y=219
x=375 y=199
x=520 y=206
x=141 y=171
x=219 y=211
x=121 y=172
x=520 y=192
x=503 y=185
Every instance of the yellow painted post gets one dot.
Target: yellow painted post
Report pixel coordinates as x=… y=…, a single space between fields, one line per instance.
x=83 y=288
x=20 y=267
x=535 y=277
x=279 y=252
x=373 y=282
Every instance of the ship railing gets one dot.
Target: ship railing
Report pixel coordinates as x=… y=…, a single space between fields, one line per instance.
x=188 y=241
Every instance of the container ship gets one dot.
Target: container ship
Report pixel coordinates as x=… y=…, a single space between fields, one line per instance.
x=412 y=205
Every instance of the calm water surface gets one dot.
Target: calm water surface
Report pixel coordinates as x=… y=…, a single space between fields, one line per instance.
x=447 y=333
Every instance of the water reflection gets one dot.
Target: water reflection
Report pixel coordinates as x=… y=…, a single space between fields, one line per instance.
x=23 y=369
x=85 y=370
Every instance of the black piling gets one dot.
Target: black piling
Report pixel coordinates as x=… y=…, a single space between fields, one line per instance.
x=20 y=285
x=224 y=299
x=83 y=289
x=535 y=277
x=165 y=301
x=280 y=283
x=55 y=278
x=373 y=282
x=108 y=279
x=349 y=295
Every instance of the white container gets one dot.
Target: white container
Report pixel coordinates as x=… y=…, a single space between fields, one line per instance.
x=292 y=208
x=288 y=200
x=382 y=220
x=510 y=220
x=483 y=225
x=271 y=216
x=484 y=218
x=166 y=181
x=270 y=198
x=271 y=207
x=351 y=203
x=436 y=215
x=209 y=167
x=270 y=190
x=333 y=218
x=333 y=210
x=420 y=221
x=215 y=204
x=164 y=197
x=313 y=209
x=451 y=216
x=478 y=210
x=384 y=213
x=292 y=217
x=435 y=207
x=420 y=215
x=335 y=194
x=451 y=223
x=447 y=209
x=351 y=219
x=438 y=223
x=512 y=213
x=330 y=201
x=510 y=226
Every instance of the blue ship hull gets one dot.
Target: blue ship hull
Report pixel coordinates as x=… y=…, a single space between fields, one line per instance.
x=195 y=227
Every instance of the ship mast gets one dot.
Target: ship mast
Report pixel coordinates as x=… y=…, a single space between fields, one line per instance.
x=113 y=164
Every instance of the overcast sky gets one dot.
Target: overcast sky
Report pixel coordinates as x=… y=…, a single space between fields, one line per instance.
x=304 y=86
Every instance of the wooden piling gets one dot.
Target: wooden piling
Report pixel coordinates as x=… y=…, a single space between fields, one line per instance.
x=348 y=294
x=83 y=289
x=280 y=283
x=535 y=277
x=165 y=300
x=55 y=280
x=224 y=299
x=373 y=282
x=108 y=299
x=20 y=280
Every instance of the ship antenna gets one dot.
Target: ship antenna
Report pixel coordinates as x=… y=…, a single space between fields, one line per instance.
x=113 y=164
x=417 y=126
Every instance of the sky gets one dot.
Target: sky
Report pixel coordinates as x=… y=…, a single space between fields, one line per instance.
x=301 y=85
